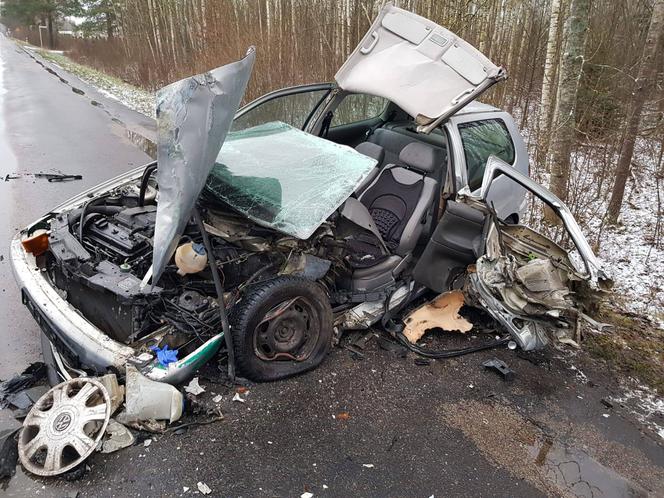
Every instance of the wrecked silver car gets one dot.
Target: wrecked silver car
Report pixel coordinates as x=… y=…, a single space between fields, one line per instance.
x=301 y=222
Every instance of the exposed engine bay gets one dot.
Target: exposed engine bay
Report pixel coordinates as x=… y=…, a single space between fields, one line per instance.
x=100 y=252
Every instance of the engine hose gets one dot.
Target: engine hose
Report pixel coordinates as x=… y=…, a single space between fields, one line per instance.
x=74 y=216
x=448 y=353
x=85 y=207
x=149 y=169
x=225 y=327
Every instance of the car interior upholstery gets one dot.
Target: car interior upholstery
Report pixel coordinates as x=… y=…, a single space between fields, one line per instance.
x=400 y=199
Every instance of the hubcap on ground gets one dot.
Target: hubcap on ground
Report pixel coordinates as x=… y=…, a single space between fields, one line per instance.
x=64 y=426
x=289 y=331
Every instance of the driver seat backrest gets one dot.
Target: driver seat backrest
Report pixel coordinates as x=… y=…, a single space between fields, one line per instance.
x=401 y=196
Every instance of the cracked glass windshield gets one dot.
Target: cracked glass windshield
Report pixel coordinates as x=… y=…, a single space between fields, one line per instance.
x=284 y=178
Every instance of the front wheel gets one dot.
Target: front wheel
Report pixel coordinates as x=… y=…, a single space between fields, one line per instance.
x=281 y=328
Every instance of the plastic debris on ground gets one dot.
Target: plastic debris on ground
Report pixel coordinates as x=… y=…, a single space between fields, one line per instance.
x=500 y=367
x=442 y=312
x=307 y=495
x=26 y=379
x=149 y=425
x=203 y=488
x=194 y=387
x=115 y=391
x=165 y=355
x=23 y=400
x=238 y=398
x=147 y=399
x=8 y=453
x=117 y=437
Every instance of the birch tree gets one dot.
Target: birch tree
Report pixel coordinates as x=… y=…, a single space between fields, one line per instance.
x=568 y=84
x=646 y=76
x=549 y=80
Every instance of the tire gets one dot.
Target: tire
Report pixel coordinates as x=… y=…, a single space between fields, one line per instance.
x=296 y=339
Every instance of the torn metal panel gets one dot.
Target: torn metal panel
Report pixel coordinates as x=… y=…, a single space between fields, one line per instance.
x=495 y=166
x=442 y=312
x=194 y=116
x=307 y=266
x=527 y=283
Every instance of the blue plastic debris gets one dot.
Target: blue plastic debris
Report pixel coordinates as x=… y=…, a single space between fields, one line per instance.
x=165 y=355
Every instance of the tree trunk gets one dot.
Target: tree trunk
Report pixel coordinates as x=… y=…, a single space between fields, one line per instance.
x=647 y=72
x=571 y=68
x=110 y=17
x=548 y=82
x=51 y=35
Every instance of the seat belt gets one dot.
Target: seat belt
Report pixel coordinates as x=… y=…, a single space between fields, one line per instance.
x=325 y=126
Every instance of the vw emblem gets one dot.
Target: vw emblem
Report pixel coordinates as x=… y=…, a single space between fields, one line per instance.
x=62 y=422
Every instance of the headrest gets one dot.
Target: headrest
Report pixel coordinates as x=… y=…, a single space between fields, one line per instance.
x=372 y=150
x=422 y=157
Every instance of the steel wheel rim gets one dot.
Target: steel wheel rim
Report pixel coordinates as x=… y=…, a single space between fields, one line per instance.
x=64 y=427
x=289 y=331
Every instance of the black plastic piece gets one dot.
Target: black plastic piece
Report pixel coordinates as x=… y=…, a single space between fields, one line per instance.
x=500 y=367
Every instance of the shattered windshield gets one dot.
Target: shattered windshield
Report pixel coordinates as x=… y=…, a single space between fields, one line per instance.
x=284 y=178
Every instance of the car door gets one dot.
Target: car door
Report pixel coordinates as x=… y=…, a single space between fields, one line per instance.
x=355 y=117
x=294 y=106
x=477 y=136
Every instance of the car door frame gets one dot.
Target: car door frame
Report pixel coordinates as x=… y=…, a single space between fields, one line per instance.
x=508 y=197
x=284 y=92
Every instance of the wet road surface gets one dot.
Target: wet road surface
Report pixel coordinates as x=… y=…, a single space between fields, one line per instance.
x=44 y=127
x=449 y=428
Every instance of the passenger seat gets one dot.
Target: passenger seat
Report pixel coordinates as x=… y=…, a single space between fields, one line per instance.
x=375 y=152
x=402 y=194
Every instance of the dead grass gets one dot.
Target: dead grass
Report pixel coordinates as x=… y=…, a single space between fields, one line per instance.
x=633 y=347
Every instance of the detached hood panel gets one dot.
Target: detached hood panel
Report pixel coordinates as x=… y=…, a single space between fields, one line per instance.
x=422 y=67
x=194 y=116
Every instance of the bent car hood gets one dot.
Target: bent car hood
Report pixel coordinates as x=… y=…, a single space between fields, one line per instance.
x=424 y=68
x=193 y=119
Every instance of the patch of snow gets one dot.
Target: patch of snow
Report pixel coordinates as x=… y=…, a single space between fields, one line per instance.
x=628 y=252
x=135 y=98
x=645 y=405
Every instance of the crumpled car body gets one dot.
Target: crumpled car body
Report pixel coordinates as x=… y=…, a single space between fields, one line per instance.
x=312 y=226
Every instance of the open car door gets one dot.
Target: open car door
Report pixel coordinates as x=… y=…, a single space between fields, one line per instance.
x=424 y=68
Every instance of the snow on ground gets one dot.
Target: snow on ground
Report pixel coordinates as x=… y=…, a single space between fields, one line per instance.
x=629 y=250
x=645 y=405
x=133 y=97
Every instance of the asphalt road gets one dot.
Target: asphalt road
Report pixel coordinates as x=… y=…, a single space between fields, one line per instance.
x=375 y=424
x=44 y=127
